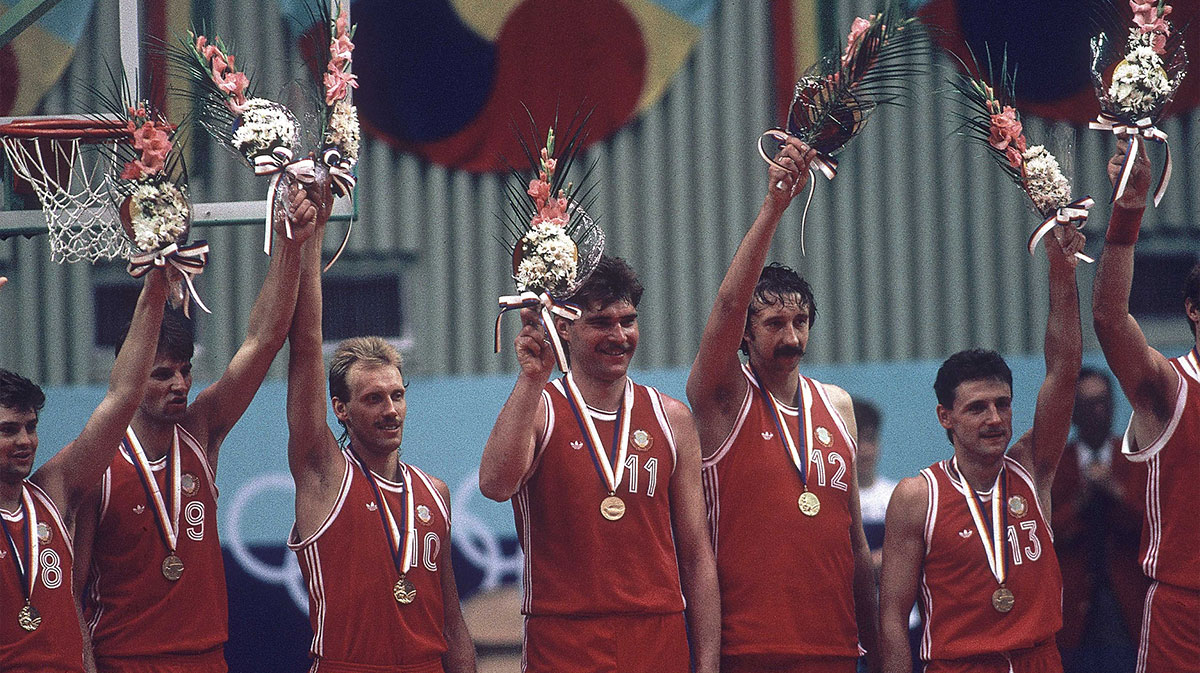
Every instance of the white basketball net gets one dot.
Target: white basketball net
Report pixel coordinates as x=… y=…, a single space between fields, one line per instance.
x=76 y=192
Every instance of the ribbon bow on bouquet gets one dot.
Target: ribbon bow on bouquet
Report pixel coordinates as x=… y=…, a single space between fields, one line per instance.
x=189 y=260
x=1134 y=84
x=554 y=243
x=265 y=133
x=834 y=97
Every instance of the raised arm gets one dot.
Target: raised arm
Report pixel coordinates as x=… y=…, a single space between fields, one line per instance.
x=1041 y=448
x=1146 y=378
x=509 y=451
x=715 y=387
x=697 y=565
x=903 y=554
x=68 y=475
x=313 y=456
x=218 y=407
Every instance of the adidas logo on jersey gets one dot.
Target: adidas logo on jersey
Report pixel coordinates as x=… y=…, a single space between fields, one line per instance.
x=577 y=445
x=965 y=533
x=138 y=509
x=768 y=435
x=3 y=553
x=371 y=507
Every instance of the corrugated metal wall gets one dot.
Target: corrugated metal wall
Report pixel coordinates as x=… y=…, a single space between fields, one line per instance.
x=914 y=251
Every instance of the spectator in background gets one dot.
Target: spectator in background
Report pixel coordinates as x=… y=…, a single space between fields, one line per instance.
x=874 y=491
x=1097 y=499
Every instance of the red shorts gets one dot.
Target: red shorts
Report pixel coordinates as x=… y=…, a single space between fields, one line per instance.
x=1041 y=658
x=207 y=662
x=614 y=644
x=324 y=666
x=1170 y=641
x=786 y=663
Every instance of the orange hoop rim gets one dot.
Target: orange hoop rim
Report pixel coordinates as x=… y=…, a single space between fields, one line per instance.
x=66 y=128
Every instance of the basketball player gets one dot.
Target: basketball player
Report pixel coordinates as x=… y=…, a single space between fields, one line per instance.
x=39 y=621
x=150 y=568
x=1164 y=435
x=972 y=532
x=797 y=588
x=604 y=475
x=372 y=533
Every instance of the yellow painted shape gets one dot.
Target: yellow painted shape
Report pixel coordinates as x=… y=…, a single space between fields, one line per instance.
x=485 y=17
x=42 y=57
x=805 y=41
x=669 y=39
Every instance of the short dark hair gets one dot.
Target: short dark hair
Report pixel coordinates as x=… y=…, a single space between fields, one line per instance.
x=968 y=365
x=18 y=392
x=866 y=415
x=774 y=283
x=1096 y=372
x=1191 y=292
x=175 y=338
x=612 y=280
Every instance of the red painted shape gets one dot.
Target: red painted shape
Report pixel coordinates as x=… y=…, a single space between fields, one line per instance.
x=10 y=79
x=784 y=52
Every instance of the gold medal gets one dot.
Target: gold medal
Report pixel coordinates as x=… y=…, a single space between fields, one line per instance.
x=1017 y=506
x=404 y=591
x=189 y=484
x=28 y=618
x=1003 y=599
x=172 y=567
x=809 y=503
x=612 y=508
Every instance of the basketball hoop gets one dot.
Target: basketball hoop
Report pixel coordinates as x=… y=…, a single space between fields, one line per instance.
x=75 y=188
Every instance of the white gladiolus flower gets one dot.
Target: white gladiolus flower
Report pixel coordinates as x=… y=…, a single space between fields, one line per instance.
x=263 y=126
x=343 y=130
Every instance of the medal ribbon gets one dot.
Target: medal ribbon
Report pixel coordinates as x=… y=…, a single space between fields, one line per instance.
x=1137 y=131
x=803 y=424
x=341 y=174
x=166 y=516
x=549 y=308
x=26 y=569
x=400 y=545
x=611 y=473
x=188 y=260
x=1075 y=211
x=991 y=532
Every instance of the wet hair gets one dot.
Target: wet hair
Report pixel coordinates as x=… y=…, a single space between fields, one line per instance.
x=1191 y=292
x=970 y=365
x=613 y=280
x=867 y=417
x=775 y=283
x=18 y=392
x=175 y=337
x=371 y=351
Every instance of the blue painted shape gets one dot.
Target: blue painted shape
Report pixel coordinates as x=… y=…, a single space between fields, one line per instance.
x=695 y=12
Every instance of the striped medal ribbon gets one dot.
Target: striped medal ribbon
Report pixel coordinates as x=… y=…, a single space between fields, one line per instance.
x=611 y=471
x=808 y=502
x=27 y=567
x=991 y=532
x=401 y=546
x=166 y=514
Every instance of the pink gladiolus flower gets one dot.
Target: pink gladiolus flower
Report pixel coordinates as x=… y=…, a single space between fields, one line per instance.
x=338 y=85
x=343 y=21
x=539 y=190
x=857 y=30
x=551 y=164
x=1006 y=131
x=340 y=49
x=1148 y=20
x=1014 y=156
x=133 y=170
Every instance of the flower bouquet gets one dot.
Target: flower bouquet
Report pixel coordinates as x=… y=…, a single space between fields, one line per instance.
x=836 y=95
x=989 y=117
x=151 y=190
x=554 y=243
x=1136 y=71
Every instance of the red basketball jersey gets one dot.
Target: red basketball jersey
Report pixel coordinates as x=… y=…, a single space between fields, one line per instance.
x=130 y=607
x=787 y=579
x=348 y=566
x=1170 y=549
x=56 y=646
x=576 y=561
x=957 y=583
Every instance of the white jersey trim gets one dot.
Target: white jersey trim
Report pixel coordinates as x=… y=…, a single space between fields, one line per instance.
x=296 y=544
x=743 y=413
x=539 y=446
x=837 y=419
x=660 y=413
x=105 y=493
x=437 y=497
x=1153 y=515
x=1021 y=472
x=527 y=546
x=194 y=443
x=1128 y=442
x=931 y=487
x=53 y=509
x=316 y=592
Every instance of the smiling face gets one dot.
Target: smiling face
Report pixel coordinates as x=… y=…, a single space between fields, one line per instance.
x=777 y=333
x=167 y=390
x=374 y=409
x=602 y=340
x=980 y=420
x=18 y=443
